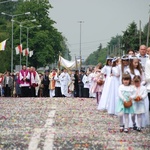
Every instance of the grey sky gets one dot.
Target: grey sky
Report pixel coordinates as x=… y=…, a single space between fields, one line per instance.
x=103 y=19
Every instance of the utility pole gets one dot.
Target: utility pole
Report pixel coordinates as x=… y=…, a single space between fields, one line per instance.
x=80 y=43
x=140 y=33
x=119 y=54
x=148 y=30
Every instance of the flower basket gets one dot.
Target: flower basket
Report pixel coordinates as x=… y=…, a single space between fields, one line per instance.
x=137 y=99
x=100 y=82
x=128 y=104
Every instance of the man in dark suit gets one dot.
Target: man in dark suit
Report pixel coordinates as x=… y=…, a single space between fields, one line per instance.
x=81 y=83
x=7 y=84
x=45 y=83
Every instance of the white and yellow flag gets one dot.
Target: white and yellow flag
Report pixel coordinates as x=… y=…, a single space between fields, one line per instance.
x=3 y=45
x=69 y=64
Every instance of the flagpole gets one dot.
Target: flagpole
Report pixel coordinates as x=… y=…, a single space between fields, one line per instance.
x=20 y=44
x=20 y=24
x=38 y=26
x=12 y=46
x=76 y=62
x=27 y=46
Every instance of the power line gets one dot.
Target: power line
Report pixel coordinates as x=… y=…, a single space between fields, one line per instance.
x=89 y=42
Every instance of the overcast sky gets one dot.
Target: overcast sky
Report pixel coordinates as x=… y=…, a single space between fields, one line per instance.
x=103 y=19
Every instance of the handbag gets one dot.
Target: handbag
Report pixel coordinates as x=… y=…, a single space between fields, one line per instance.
x=128 y=104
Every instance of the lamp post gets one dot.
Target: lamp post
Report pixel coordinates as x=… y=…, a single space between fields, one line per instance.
x=38 y=26
x=8 y=1
x=80 y=42
x=20 y=24
x=12 y=20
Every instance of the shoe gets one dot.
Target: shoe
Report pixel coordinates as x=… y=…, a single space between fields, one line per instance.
x=121 y=128
x=126 y=130
x=134 y=126
x=138 y=129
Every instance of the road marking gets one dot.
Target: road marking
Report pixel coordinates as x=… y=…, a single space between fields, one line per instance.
x=49 y=138
x=35 y=139
x=50 y=133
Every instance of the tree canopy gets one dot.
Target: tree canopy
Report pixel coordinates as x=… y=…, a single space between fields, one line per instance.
x=119 y=44
x=45 y=41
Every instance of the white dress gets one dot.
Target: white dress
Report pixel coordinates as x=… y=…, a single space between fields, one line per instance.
x=106 y=70
x=120 y=72
x=137 y=72
x=145 y=117
x=91 y=82
x=139 y=107
x=113 y=92
x=147 y=78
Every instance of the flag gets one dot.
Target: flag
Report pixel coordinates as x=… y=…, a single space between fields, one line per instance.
x=30 y=53
x=3 y=45
x=18 y=49
x=25 y=52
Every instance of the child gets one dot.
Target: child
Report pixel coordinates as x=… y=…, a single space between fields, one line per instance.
x=114 y=85
x=126 y=93
x=123 y=66
x=106 y=71
x=135 y=68
x=85 y=81
x=138 y=105
x=97 y=87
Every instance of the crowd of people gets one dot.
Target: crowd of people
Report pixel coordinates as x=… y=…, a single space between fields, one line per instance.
x=120 y=81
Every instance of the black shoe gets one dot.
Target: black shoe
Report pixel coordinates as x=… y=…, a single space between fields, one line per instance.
x=134 y=126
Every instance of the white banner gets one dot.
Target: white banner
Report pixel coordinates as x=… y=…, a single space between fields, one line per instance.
x=69 y=64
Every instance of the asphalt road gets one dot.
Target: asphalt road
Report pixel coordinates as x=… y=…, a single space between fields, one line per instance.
x=63 y=124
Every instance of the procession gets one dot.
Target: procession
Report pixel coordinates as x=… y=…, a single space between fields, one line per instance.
x=74 y=75
x=108 y=87
x=129 y=74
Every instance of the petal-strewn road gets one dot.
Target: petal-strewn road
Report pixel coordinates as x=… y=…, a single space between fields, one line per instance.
x=63 y=124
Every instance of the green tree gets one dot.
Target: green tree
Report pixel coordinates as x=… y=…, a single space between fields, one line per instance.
x=144 y=35
x=47 y=42
x=114 y=47
x=97 y=56
x=131 y=37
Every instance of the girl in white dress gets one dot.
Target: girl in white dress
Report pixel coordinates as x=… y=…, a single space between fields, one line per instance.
x=106 y=71
x=138 y=104
x=114 y=85
x=123 y=66
x=135 y=68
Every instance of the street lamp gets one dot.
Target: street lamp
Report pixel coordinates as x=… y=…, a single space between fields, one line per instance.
x=8 y=1
x=38 y=26
x=20 y=24
x=80 y=42
x=12 y=20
